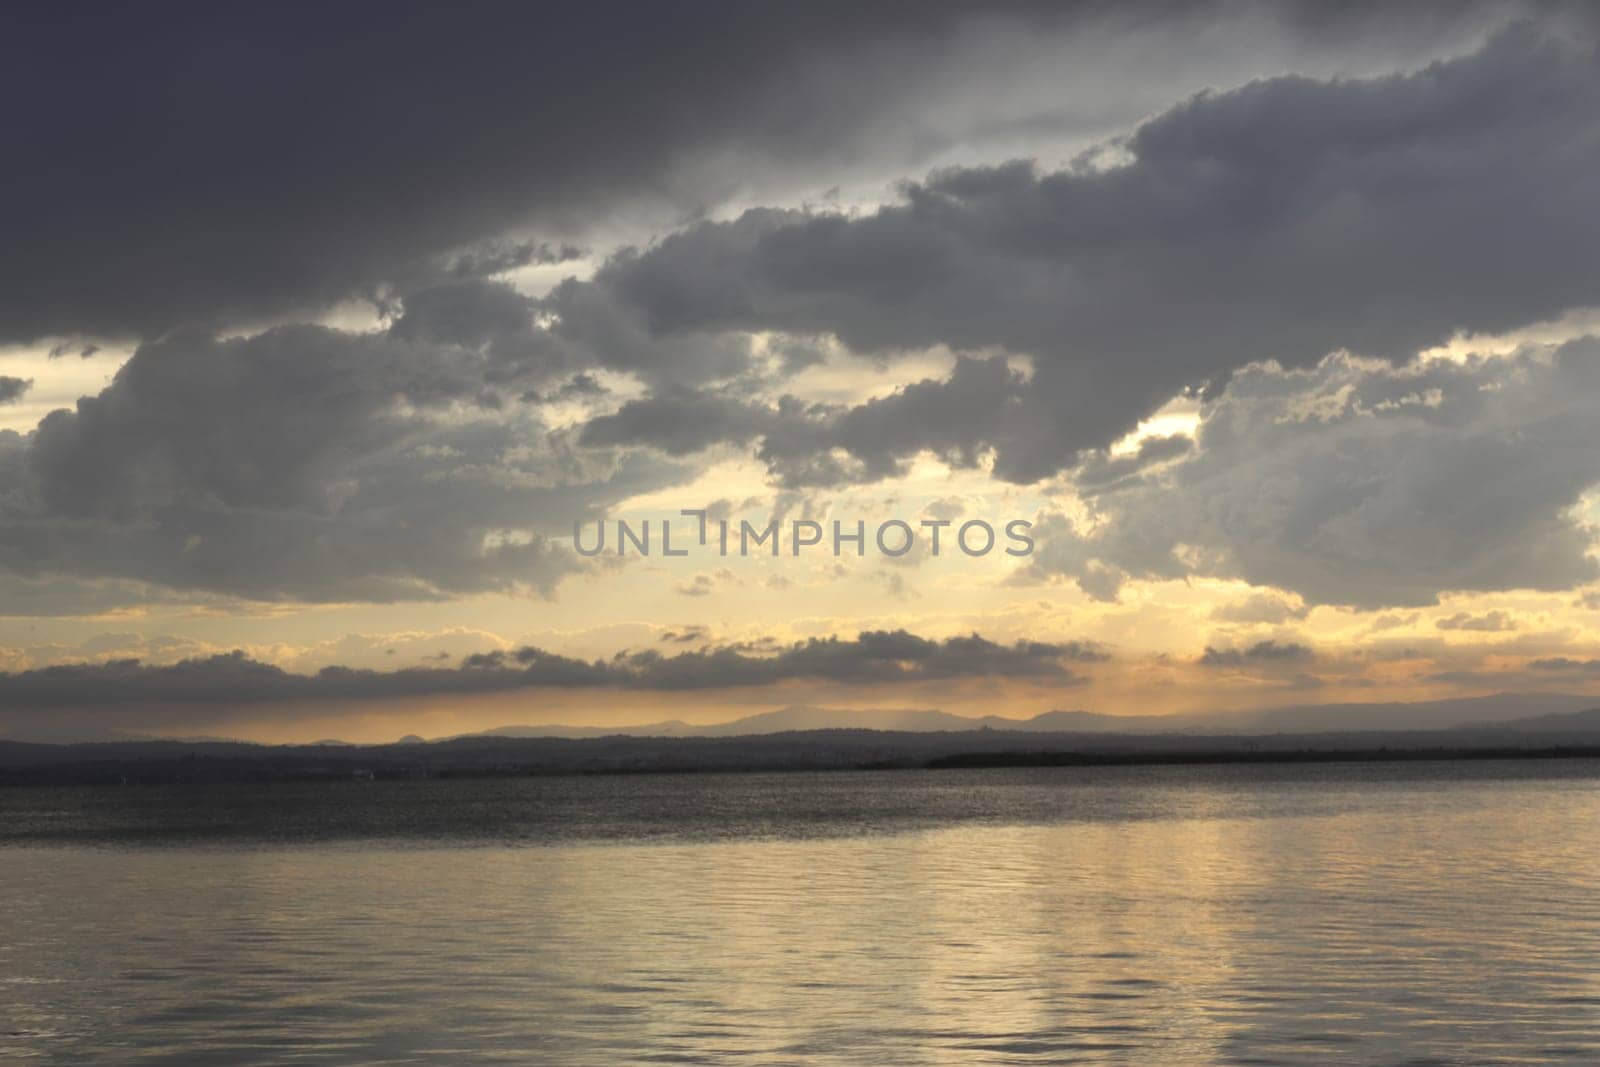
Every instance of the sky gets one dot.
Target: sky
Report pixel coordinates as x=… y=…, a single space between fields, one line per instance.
x=1275 y=326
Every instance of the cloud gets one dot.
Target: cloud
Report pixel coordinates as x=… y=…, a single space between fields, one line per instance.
x=1102 y=472
x=704 y=583
x=1273 y=221
x=678 y=422
x=822 y=445
x=12 y=389
x=1268 y=652
x=310 y=463
x=84 y=351
x=581 y=386
x=258 y=152
x=1260 y=609
x=1492 y=622
x=490 y=318
x=1562 y=663
x=1281 y=221
x=872 y=657
x=1359 y=483
x=282 y=198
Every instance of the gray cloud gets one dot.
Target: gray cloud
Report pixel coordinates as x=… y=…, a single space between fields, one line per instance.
x=288 y=159
x=84 y=351
x=873 y=441
x=679 y=422
x=1362 y=484
x=1562 y=663
x=1492 y=622
x=1101 y=472
x=310 y=463
x=872 y=657
x=809 y=445
x=813 y=445
x=1260 y=652
x=704 y=583
x=281 y=158
x=12 y=389
x=1280 y=220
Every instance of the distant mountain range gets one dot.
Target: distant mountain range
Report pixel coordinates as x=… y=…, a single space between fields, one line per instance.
x=1547 y=735
x=1570 y=722
x=1538 y=711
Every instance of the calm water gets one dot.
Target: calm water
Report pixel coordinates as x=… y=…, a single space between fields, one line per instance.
x=1423 y=913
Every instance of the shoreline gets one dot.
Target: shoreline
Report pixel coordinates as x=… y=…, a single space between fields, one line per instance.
x=214 y=763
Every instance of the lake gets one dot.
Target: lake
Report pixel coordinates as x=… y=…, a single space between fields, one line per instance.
x=1415 y=913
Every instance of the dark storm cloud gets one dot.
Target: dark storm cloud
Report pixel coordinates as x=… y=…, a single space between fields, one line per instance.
x=818 y=444
x=194 y=164
x=979 y=403
x=1281 y=220
x=871 y=657
x=580 y=386
x=216 y=165
x=493 y=321
x=471 y=313
x=311 y=463
x=679 y=422
x=501 y=256
x=186 y=164
x=11 y=389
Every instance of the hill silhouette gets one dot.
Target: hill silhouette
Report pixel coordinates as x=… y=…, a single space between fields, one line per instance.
x=174 y=762
x=1306 y=718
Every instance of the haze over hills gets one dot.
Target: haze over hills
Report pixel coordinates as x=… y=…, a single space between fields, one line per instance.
x=809 y=738
x=803 y=717
x=1571 y=722
x=1414 y=715
x=1556 y=735
x=1544 y=713
x=1499 y=708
